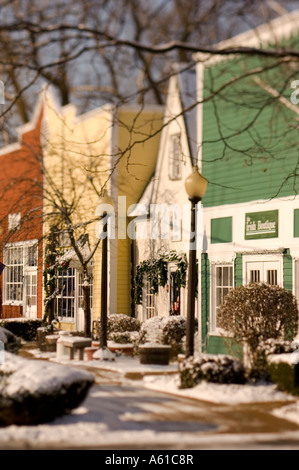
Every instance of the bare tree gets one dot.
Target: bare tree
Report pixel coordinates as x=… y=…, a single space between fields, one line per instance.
x=101 y=51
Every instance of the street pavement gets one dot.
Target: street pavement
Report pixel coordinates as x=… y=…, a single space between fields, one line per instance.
x=122 y=414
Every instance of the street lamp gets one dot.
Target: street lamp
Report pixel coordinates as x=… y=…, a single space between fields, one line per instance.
x=195 y=185
x=104 y=208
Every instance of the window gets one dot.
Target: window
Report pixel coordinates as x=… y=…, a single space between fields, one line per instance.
x=222 y=283
x=175 y=158
x=14 y=221
x=65 y=300
x=149 y=301
x=263 y=271
x=18 y=257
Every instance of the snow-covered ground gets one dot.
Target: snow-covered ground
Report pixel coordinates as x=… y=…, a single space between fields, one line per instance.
x=85 y=428
x=166 y=378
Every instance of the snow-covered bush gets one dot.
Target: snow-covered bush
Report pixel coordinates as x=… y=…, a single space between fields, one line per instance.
x=277 y=346
x=164 y=330
x=211 y=368
x=124 y=337
x=120 y=328
x=10 y=341
x=255 y=313
x=34 y=392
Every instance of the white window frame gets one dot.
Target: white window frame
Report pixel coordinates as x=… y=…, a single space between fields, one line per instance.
x=214 y=329
x=264 y=258
x=14 y=221
x=70 y=299
x=24 y=266
x=75 y=300
x=175 y=157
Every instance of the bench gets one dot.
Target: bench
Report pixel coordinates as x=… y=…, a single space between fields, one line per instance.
x=74 y=343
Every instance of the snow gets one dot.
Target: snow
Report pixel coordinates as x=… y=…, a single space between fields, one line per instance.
x=287 y=358
x=82 y=428
x=38 y=376
x=231 y=394
x=166 y=378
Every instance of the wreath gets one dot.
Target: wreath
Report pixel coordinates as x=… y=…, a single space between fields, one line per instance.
x=157 y=273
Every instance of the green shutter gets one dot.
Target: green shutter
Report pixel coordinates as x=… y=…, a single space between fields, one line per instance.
x=222 y=230
x=287 y=270
x=205 y=296
x=238 y=270
x=296 y=223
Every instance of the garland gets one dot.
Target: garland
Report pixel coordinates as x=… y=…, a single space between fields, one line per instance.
x=157 y=272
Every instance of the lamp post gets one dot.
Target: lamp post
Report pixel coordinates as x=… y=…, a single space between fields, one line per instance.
x=104 y=209
x=195 y=185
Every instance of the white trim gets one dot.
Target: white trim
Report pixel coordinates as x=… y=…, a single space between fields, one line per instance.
x=213 y=330
x=277 y=29
x=33 y=269
x=25 y=128
x=263 y=258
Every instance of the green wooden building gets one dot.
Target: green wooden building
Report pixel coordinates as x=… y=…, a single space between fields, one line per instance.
x=249 y=153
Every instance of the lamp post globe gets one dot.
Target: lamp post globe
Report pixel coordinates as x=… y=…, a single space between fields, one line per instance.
x=195 y=185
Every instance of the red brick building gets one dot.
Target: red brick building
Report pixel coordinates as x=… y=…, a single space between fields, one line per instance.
x=21 y=223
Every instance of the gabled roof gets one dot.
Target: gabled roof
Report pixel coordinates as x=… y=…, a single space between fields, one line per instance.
x=185 y=76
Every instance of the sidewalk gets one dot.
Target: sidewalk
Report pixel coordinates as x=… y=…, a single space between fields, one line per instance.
x=165 y=378
x=128 y=367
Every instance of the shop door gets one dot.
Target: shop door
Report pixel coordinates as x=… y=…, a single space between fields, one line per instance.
x=175 y=296
x=268 y=272
x=30 y=294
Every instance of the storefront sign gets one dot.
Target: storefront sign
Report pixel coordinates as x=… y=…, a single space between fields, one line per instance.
x=261 y=225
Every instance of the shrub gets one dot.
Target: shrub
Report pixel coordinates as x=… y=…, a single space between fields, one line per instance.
x=164 y=330
x=124 y=337
x=211 y=368
x=25 y=329
x=256 y=313
x=118 y=323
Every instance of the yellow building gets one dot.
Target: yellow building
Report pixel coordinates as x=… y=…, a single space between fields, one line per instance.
x=110 y=147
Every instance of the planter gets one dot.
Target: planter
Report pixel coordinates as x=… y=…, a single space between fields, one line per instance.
x=284 y=371
x=51 y=341
x=41 y=334
x=90 y=352
x=154 y=354
x=126 y=349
